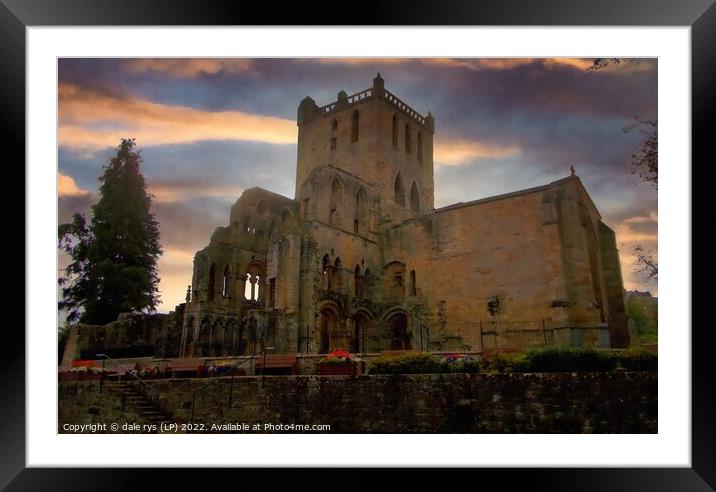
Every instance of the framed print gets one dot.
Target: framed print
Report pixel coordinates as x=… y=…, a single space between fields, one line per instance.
x=456 y=276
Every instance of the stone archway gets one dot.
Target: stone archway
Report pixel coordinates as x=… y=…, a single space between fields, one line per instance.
x=397 y=330
x=359 y=339
x=328 y=328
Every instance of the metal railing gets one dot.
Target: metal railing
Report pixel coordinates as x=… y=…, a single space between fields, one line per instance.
x=146 y=385
x=229 y=370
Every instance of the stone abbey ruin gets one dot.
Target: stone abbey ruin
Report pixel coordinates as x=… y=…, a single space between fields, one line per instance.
x=359 y=259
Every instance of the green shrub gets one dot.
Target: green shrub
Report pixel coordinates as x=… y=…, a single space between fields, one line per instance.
x=569 y=360
x=505 y=363
x=409 y=363
x=466 y=364
x=639 y=360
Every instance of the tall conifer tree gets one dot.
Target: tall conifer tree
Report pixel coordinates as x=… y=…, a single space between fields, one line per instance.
x=114 y=259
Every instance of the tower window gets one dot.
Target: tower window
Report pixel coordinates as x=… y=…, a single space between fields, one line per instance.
x=420 y=146
x=335 y=200
x=334 y=143
x=355 y=123
x=334 y=125
x=360 y=219
x=408 y=139
x=414 y=198
x=399 y=191
x=395 y=131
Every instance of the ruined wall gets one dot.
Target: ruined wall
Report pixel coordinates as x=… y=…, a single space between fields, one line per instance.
x=448 y=403
x=132 y=335
x=364 y=203
x=541 y=253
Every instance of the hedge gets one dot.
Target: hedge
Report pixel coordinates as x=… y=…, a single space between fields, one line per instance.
x=638 y=360
x=569 y=360
x=422 y=363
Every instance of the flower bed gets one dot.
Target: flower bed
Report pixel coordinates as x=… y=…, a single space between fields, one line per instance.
x=340 y=363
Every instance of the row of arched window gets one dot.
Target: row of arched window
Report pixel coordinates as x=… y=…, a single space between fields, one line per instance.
x=393 y=273
x=360 y=211
x=408 y=138
x=399 y=194
x=355 y=128
x=332 y=277
x=251 y=280
x=355 y=131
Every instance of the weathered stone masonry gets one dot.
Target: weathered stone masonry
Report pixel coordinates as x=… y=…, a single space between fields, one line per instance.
x=361 y=260
x=444 y=403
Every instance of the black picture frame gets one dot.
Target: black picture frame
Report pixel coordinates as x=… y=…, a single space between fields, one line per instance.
x=16 y=15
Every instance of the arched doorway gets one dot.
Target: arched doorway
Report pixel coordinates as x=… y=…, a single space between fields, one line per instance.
x=328 y=326
x=397 y=327
x=362 y=321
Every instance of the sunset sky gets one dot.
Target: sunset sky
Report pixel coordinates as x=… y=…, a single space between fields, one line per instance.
x=210 y=128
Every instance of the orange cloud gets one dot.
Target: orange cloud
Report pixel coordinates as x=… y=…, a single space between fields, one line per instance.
x=627 y=239
x=642 y=219
x=176 y=268
x=625 y=66
x=625 y=233
x=89 y=120
x=190 y=67
x=66 y=186
x=173 y=192
x=455 y=152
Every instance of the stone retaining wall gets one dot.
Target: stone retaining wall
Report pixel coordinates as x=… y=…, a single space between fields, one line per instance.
x=619 y=402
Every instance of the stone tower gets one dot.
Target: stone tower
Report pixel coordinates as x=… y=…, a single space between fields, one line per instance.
x=375 y=137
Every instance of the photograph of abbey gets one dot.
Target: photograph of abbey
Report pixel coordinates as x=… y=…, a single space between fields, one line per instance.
x=452 y=245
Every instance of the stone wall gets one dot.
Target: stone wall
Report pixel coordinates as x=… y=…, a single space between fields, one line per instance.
x=82 y=403
x=445 y=403
x=132 y=335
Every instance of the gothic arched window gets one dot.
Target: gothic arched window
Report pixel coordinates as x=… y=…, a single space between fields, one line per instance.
x=225 y=282
x=360 y=218
x=420 y=146
x=335 y=200
x=414 y=198
x=355 y=123
x=399 y=190
x=395 y=131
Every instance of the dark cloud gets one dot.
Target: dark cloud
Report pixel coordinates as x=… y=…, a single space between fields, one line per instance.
x=67 y=206
x=556 y=115
x=188 y=225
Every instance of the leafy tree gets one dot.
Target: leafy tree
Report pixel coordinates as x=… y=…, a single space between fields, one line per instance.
x=114 y=259
x=646 y=326
x=647 y=264
x=645 y=163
